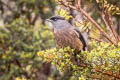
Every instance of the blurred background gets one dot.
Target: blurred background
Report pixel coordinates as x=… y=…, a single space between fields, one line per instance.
x=24 y=32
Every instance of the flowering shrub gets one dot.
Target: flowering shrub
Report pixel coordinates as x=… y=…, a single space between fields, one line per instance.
x=103 y=58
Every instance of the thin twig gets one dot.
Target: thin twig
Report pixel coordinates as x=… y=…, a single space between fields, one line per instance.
x=118 y=26
x=99 y=40
x=97 y=26
x=105 y=22
x=79 y=3
x=112 y=26
x=108 y=73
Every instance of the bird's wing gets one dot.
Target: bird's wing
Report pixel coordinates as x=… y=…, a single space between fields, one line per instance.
x=69 y=37
x=81 y=38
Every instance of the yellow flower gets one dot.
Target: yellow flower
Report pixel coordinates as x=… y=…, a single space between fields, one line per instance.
x=4 y=56
x=82 y=78
x=18 y=78
x=40 y=53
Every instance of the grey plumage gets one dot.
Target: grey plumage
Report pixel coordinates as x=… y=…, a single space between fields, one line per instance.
x=66 y=34
x=59 y=23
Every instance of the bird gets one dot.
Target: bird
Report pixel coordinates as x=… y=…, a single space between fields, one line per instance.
x=67 y=34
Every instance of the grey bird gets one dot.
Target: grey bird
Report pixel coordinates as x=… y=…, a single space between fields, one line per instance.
x=67 y=35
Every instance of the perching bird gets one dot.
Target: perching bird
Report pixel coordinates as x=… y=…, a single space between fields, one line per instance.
x=67 y=35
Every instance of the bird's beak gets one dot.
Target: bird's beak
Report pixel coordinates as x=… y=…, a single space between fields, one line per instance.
x=48 y=20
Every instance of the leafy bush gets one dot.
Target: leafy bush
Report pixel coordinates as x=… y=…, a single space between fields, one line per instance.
x=19 y=43
x=102 y=61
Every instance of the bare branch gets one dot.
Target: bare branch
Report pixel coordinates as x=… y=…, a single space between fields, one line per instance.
x=99 y=40
x=105 y=22
x=112 y=26
x=118 y=26
x=108 y=73
x=78 y=3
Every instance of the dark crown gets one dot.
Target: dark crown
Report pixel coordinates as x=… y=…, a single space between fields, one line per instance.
x=54 y=18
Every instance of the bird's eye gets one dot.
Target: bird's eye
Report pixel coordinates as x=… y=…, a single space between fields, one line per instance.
x=55 y=19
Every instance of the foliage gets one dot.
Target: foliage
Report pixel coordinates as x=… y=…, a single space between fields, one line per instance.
x=19 y=43
x=64 y=13
x=103 y=56
x=22 y=34
x=31 y=9
x=114 y=9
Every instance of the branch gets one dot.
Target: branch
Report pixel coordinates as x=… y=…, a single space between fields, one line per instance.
x=105 y=22
x=78 y=3
x=112 y=26
x=97 y=26
x=118 y=26
x=108 y=73
x=99 y=40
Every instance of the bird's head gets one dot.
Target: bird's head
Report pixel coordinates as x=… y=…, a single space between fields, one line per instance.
x=59 y=22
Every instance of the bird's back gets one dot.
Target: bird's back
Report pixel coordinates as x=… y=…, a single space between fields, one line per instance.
x=68 y=37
